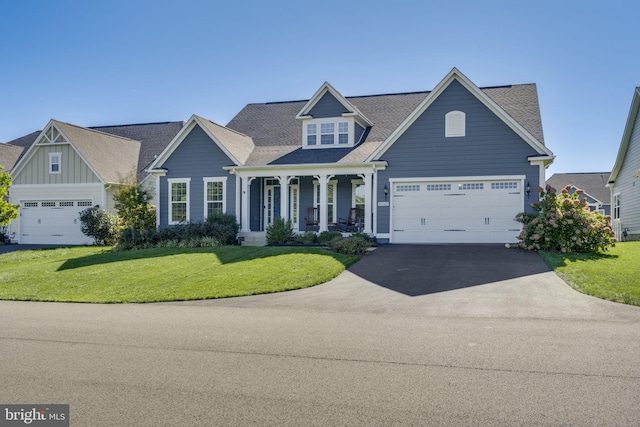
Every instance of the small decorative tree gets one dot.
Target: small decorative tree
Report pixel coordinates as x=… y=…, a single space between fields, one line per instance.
x=134 y=209
x=8 y=211
x=564 y=223
x=99 y=224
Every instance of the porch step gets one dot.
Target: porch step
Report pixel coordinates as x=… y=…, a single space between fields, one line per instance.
x=254 y=239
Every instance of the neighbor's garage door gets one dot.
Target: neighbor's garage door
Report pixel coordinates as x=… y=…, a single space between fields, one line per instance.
x=53 y=222
x=480 y=211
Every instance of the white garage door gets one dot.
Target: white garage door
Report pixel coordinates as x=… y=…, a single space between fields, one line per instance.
x=456 y=211
x=54 y=222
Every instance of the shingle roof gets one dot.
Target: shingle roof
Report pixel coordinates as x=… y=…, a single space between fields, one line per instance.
x=593 y=183
x=9 y=155
x=154 y=137
x=277 y=134
x=239 y=145
x=114 y=158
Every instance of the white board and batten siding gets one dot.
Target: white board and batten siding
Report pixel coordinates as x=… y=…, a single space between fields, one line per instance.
x=51 y=215
x=456 y=210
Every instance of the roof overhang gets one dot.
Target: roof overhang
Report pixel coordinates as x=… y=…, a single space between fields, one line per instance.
x=626 y=136
x=326 y=87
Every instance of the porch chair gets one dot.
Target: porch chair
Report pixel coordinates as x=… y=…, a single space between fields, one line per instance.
x=349 y=224
x=311 y=222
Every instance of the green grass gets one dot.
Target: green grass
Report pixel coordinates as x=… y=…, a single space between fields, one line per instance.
x=614 y=275
x=97 y=275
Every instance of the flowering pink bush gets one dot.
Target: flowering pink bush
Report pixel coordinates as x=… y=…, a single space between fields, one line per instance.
x=564 y=223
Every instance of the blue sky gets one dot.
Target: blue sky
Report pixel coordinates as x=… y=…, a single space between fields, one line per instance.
x=118 y=62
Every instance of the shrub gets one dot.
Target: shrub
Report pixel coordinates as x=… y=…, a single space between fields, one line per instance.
x=326 y=236
x=350 y=245
x=279 y=232
x=564 y=223
x=216 y=230
x=99 y=224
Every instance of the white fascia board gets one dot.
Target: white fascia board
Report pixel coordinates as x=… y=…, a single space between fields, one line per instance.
x=30 y=152
x=305 y=169
x=455 y=74
x=626 y=136
x=177 y=140
x=17 y=168
x=326 y=87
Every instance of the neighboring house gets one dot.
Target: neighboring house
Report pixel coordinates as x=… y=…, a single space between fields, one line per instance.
x=67 y=168
x=452 y=165
x=594 y=185
x=624 y=181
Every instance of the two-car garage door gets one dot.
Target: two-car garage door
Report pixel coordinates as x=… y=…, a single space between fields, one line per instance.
x=53 y=222
x=456 y=210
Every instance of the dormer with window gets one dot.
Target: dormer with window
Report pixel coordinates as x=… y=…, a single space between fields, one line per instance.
x=329 y=120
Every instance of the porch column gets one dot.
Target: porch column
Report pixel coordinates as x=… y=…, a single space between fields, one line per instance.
x=324 y=217
x=368 y=202
x=246 y=198
x=284 y=197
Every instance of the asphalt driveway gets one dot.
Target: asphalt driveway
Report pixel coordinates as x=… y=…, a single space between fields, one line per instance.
x=445 y=280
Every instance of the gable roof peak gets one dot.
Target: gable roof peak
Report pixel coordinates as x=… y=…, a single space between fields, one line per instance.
x=328 y=88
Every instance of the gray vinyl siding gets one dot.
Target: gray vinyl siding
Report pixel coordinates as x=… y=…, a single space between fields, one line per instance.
x=73 y=169
x=326 y=107
x=628 y=185
x=197 y=157
x=488 y=148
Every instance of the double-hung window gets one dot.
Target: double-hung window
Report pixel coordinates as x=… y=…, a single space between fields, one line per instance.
x=178 y=200
x=616 y=206
x=214 y=195
x=55 y=161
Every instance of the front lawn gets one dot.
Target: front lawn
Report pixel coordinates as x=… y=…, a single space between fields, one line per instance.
x=614 y=275
x=93 y=274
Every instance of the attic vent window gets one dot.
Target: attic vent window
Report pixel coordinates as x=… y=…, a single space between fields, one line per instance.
x=454 y=124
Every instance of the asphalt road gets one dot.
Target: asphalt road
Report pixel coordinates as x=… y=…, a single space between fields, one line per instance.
x=527 y=350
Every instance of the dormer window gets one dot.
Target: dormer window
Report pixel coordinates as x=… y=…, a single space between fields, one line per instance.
x=323 y=133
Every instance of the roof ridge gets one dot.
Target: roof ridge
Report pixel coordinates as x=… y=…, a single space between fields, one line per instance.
x=97 y=131
x=136 y=124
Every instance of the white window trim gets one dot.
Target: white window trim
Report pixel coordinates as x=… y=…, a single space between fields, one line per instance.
x=51 y=163
x=455 y=128
x=336 y=121
x=171 y=181
x=615 y=213
x=316 y=195
x=223 y=180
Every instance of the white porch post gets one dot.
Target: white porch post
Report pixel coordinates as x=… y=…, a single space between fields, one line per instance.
x=368 y=202
x=284 y=197
x=244 y=223
x=324 y=216
x=238 y=197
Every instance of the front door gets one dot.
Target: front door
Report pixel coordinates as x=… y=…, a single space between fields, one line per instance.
x=271 y=201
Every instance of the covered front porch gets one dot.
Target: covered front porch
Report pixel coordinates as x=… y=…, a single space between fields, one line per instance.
x=328 y=192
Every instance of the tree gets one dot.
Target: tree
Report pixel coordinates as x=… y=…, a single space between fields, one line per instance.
x=134 y=209
x=8 y=211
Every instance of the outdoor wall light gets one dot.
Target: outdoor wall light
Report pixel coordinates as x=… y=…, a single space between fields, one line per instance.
x=386 y=192
x=528 y=189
